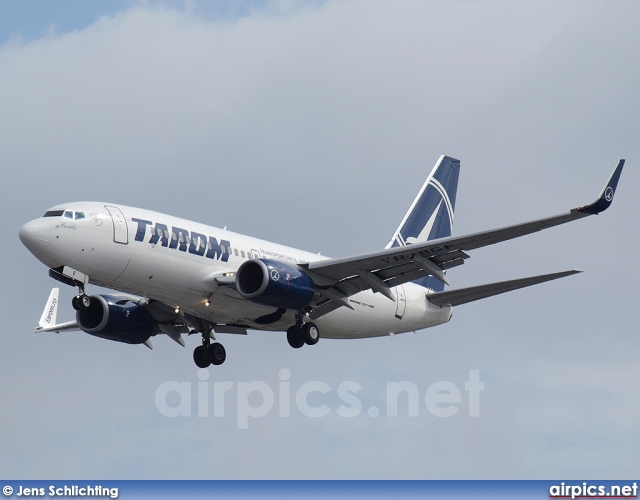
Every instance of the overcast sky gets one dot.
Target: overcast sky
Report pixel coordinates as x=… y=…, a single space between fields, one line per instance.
x=314 y=124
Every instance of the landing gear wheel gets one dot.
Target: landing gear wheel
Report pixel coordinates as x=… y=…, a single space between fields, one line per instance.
x=81 y=302
x=200 y=357
x=310 y=334
x=293 y=337
x=216 y=354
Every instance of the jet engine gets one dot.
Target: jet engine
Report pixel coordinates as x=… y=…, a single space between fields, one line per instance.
x=115 y=318
x=274 y=283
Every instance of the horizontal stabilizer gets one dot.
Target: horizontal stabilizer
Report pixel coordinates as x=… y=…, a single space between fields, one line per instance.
x=464 y=295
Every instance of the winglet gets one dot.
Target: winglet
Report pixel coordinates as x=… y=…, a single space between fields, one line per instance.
x=50 y=312
x=606 y=196
x=47 y=321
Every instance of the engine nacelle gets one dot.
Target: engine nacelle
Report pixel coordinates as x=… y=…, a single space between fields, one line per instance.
x=116 y=319
x=274 y=283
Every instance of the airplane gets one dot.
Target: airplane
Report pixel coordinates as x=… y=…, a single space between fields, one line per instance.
x=173 y=276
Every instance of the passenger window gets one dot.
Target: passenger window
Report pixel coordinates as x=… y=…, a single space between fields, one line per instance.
x=235 y=250
x=242 y=252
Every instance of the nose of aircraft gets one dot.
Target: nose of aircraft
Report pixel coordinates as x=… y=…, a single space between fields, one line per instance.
x=35 y=236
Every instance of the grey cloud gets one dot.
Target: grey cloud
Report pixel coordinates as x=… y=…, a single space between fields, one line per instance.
x=315 y=127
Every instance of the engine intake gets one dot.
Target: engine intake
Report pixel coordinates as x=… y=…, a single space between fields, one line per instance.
x=116 y=319
x=274 y=283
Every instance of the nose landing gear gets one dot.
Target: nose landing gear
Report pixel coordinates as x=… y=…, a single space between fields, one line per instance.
x=82 y=300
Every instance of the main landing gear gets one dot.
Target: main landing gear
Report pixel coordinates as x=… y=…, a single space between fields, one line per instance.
x=208 y=353
x=302 y=333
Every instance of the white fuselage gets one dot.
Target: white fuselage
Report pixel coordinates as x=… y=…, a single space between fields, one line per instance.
x=181 y=263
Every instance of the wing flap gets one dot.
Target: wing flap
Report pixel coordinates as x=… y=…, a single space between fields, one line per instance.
x=324 y=308
x=465 y=295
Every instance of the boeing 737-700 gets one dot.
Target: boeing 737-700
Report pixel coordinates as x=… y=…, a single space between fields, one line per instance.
x=175 y=276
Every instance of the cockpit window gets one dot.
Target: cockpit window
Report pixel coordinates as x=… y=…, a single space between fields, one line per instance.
x=54 y=213
x=69 y=214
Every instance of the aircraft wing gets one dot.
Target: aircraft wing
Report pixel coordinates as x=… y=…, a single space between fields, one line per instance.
x=343 y=277
x=70 y=326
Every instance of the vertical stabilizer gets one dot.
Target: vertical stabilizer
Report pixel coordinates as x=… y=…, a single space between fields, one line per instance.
x=430 y=216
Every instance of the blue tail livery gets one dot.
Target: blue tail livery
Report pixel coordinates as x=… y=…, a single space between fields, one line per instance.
x=430 y=216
